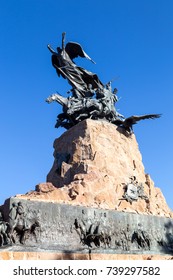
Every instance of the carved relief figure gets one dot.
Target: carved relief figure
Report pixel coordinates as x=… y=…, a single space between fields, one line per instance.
x=22 y=223
x=142 y=238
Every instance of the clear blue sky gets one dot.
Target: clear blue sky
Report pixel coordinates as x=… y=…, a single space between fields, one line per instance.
x=129 y=39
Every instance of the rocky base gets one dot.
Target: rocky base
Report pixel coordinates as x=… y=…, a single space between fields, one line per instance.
x=6 y=255
x=94 y=163
x=97 y=203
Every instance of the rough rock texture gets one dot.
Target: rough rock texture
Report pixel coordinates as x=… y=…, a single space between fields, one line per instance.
x=93 y=164
x=5 y=255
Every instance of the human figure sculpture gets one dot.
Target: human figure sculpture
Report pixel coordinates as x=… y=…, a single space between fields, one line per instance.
x=80 y=79
x=4 y=231
x=20 y=212
x=12 y=214
x=22 y=223
x=90 y=98
x=142 y=238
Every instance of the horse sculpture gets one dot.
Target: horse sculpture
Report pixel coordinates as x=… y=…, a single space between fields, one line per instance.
x=23 y=228
x=78 y=109
x=90 y=97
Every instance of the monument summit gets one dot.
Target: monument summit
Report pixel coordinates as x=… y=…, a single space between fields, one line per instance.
x=97 y=202
x=89 y=97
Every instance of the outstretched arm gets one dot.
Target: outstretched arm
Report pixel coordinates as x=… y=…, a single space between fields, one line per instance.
x=63 y=40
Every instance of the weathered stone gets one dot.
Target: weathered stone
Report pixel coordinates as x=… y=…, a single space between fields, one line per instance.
x=44 y=188
x=94 y=163
x=100 y=163
x=77 y=256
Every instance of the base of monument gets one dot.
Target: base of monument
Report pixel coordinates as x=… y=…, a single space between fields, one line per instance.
x=16 y=254
x=50 y=230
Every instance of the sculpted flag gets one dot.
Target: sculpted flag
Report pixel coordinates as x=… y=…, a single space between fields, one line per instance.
x=79 y=78
x=89 y=98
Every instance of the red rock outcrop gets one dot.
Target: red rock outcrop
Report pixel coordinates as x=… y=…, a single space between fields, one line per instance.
x=96 y=162
x=5 y=255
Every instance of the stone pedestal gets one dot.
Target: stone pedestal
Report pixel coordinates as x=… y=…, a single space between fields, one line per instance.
x=93 y=164
x=87 y=209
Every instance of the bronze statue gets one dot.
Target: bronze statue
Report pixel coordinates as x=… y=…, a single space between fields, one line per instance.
x=128 y=123
x=80 y=79
x=90 y=98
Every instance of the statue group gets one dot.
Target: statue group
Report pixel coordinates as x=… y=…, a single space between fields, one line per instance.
x=20 y=225
x=89 y=97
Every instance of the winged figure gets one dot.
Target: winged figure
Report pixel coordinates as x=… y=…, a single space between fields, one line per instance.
x=81 y=80
x=129 y=122
x=90 y=97
x=74 y=50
